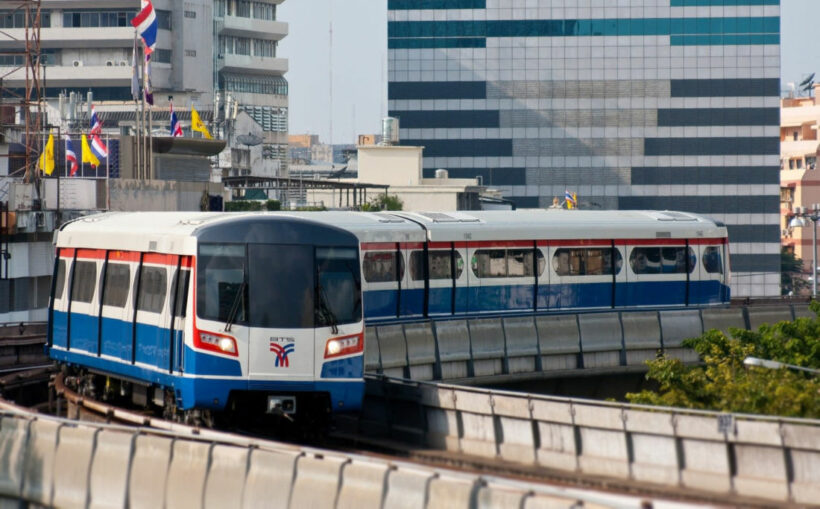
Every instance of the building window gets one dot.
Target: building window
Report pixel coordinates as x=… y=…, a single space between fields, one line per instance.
x=243 y=8
x=795 y=136
x=190 y=52
x=264 y=11
x=91 y=19
x=264 y=48
x=162 y=56
x=271 y=118
x=17 y=20
x=786 y=195
x=276 y=85
x=811 y=162
x=190 y=14
x=163 y=19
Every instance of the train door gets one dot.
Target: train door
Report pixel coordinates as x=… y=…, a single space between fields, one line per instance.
x=382 y=273
x=708 y=279
x=178 y=312
x=83 y=316
x=472 y=292
x=58 y=319
x=115 y=330
x=448 y=279
x=411 y=292
x=658 y=275
x=543 y=286
x=282 y=292
x=152 y=316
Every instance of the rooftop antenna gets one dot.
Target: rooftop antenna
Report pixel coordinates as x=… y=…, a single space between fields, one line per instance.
x=330 y=72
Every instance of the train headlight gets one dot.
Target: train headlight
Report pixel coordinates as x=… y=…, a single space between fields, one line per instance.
x=346 y=345
x=216 y=343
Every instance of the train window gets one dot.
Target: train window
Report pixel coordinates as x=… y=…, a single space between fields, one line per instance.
x=116 y=284
x=380 y=266
x=338 y=289
x=85 y=281
x=439 y=265
x=490 y=263
x=181 y=296
x=586 y=261
x=153 y=287
x=281 y=286
x=220 y=274
x=661 y=260
x=60 y=283
x=711 y=260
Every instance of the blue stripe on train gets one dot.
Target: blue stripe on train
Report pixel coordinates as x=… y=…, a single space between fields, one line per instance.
x=381 y=304
x=152 y=345
x=213 y=393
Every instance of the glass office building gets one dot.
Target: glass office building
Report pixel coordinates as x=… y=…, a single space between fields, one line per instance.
x=631 y=104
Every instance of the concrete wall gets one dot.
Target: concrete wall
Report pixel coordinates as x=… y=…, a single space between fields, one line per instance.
x=59 y=463
x=395 y=166
x=769 y=458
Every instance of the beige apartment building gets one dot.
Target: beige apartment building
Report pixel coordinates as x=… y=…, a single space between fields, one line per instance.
x=799 y=178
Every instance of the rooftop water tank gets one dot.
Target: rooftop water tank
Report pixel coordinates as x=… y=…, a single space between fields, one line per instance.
x=390 y=131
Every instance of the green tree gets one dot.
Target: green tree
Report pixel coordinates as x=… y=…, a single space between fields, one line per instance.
x=242 y=205
x=383 y=202
x=723 y=383
x=791 y=273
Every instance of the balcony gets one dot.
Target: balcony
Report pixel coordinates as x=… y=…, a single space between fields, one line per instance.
x=257 y=28
x=251 y=64
x=101 y=37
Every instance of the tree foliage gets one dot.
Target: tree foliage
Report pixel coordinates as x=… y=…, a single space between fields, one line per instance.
x=791 y=273
x=383 y=202
x=725 y=384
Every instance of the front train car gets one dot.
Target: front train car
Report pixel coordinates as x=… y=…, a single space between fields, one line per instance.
x=200 y=313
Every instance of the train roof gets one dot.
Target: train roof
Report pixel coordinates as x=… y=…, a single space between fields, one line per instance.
x=564 y=224
x=176 y=232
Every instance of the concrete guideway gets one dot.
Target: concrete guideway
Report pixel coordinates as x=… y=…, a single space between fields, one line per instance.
x=500 y=349
x=63 y=463
x=770 y=458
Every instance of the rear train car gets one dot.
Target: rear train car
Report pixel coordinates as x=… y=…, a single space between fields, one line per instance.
x=200 y=313
x=418 y=265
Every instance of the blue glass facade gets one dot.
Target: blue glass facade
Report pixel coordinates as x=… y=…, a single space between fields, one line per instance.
x=659 y=104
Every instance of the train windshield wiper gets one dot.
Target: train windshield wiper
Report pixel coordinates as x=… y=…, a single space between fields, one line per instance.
x=325 y=311
x=235 y=307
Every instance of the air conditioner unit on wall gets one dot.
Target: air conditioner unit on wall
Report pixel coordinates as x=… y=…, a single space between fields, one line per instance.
x=78 y=63
x=123 y=62
x=109 y=63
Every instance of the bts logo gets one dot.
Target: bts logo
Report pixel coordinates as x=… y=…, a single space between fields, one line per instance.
x=282 y=347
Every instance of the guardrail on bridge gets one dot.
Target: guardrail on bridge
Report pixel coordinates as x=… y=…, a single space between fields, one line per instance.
x=772 y=458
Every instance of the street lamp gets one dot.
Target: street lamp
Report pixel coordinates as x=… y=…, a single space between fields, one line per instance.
x=804 y=217
x=769 y=364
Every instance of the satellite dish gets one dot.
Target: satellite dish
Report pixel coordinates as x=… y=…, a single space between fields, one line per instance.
x=807 y=80
x=249 y=139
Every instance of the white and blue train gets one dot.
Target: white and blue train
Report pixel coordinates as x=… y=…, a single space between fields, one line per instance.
x=514 y=262
x=204 y=312
x=264 y=312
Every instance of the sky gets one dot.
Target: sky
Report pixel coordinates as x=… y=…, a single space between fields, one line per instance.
x=357 y=99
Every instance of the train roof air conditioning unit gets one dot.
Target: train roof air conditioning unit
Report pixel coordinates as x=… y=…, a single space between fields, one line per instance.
x=77 y=63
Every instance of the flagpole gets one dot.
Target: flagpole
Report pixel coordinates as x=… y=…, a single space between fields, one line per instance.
x=142 y=116
x=136 y=108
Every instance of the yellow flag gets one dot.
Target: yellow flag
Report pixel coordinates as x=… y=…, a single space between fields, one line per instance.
x=88 y=155
x=47 y=157
x=198 y=125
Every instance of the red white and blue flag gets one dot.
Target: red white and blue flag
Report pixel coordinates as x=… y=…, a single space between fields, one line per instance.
x=176 y=128
x=71 y=157
x=96 y=125
x=146 y=24
x=98 y=147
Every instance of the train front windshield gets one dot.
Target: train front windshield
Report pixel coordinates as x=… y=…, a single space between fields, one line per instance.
x=285 y=286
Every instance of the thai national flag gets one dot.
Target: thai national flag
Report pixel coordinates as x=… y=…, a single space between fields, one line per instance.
x=98 y=147
x=176 y=128
x=146 y=24
x=96 y=125
x=71 y=157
